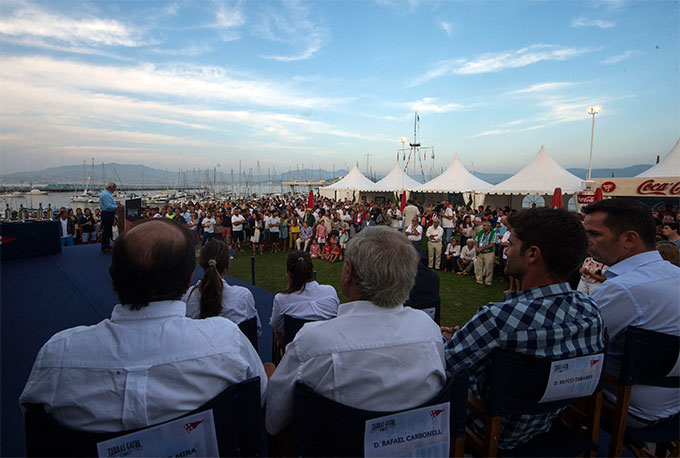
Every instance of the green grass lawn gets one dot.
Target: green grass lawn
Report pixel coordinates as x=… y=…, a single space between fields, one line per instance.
x=461 y=296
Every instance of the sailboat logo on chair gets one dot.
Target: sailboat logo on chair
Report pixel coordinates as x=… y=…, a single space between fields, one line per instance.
x=191 y=426
x=435 y=413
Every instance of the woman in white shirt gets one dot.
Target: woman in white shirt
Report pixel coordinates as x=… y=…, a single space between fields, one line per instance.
x=304 y=298
x=212 y=296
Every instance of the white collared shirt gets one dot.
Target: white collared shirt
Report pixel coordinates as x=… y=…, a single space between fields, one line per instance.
x=370 y=357
x=139 y=368
x=316 y=302
x=238 y=304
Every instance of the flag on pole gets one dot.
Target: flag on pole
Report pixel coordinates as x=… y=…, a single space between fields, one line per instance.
x=310 y=199
x=403 y=201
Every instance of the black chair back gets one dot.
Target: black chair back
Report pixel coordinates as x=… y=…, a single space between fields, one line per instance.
x=517 y=383
x=323 y=427
x=291 y=326
x=649 y=356
x=249 y=328
x=237 y=414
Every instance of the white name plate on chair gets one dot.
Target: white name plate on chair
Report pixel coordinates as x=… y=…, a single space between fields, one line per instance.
x=189 y=436
x=573 y=378
x=418 y=432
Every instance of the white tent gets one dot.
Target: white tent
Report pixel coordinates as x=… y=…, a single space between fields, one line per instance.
x=541 y=176
x=353 y=182
x=396 y=180
x=454 y=179
x=668 y=167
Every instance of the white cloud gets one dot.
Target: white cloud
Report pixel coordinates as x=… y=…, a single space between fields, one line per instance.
x=490 y=132
x=616 y=59
x=34 y=22
x=292 y=25
x=430 y=105
x=229 y=15
x=495 y=62
x=583 y=21
x=213 y=84
x=542 y=87
x=446 y=27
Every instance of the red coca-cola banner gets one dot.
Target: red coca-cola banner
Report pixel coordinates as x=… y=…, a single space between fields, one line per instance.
x=651 y=187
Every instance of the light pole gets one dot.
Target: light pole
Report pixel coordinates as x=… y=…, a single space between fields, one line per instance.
x=592 y=111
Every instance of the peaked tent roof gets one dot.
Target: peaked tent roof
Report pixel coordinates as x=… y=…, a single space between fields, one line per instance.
x=454 y=179
x=396 y=180
x=668 y=167
x=541 y=176
x=354 y=180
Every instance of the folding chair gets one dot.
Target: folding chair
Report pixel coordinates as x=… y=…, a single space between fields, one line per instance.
x=237 y=414
x=291 y=326
x=322 y=427
x=648 y=358
x=517 y=383
x=249 y=329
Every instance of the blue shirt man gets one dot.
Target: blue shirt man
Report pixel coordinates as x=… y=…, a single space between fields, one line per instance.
x=641 y=290
x=108 y=206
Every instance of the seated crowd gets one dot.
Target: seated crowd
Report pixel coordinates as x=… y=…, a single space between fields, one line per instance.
x=168 y=347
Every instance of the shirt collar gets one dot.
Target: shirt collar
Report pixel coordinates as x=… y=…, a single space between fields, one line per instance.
x=159 y=309
x=633 y=263
x=540 y=291
x=365 y=307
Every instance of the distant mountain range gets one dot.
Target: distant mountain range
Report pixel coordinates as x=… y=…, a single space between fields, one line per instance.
x=137 y=174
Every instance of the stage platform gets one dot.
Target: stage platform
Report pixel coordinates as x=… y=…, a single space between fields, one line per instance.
x=43 y=295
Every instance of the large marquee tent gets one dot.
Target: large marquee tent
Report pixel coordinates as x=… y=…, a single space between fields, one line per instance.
x=455 y=179
x=668 y=167
x=541 y=176
x=392 y=185
x=348 y=187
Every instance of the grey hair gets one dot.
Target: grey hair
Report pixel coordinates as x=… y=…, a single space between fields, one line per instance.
x=110 y=185
x=384 y=265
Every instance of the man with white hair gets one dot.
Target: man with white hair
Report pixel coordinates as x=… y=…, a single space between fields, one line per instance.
x=376 y=354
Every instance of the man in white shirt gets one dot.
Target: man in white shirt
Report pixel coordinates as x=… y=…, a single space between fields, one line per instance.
x=468 y=254
x=447 y=216
x=414 y=233
x=148 y=363
x=410 y=211
x=351 y=359
x=237 y=222
x=273 y=223
x=396 y=218
x=434 y=235
x=208 y=224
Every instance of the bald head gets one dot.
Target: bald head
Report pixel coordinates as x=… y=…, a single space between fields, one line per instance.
x=153 y=261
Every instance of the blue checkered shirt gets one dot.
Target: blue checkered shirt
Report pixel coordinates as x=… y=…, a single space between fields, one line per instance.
x=547 y=321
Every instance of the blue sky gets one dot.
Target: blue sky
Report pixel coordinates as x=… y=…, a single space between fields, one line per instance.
x=203 y=84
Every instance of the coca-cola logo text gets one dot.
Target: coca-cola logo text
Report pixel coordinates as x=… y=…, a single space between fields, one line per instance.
x=660 y=189
x=584 y=198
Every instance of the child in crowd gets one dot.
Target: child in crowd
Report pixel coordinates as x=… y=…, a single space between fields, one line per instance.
x=315 y=249
x=321 y=233
x=344 y=238
x=334 y=251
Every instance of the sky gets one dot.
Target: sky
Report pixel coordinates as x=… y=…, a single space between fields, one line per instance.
x=214 y=83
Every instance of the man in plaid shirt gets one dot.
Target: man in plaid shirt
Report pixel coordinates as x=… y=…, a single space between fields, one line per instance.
x=546 y=318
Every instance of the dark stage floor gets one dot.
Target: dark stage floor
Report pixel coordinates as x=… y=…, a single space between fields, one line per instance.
x=43 y=295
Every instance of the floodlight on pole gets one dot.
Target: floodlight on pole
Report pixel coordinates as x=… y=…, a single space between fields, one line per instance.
x=592 y=111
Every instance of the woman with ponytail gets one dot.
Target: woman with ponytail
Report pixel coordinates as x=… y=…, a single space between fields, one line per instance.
x=212 y=296
x=304 y=298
